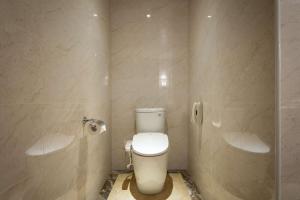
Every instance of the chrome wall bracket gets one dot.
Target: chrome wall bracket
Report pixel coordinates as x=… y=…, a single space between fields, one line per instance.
x=94 y=125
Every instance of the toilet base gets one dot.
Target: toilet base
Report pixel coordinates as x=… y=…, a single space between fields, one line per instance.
x=150 y=172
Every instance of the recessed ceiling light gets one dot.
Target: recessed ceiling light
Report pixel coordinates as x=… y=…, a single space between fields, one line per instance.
x=148 y=15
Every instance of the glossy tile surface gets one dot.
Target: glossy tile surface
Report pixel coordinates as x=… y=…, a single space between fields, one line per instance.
x=149 y=69
x=179 y=189
x=54 y=69
x=192 y=188
x=289 y=99
x=232 y=72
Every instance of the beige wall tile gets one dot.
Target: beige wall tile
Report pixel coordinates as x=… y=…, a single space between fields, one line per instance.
x=289 y=99
x=231 y=155
x=143 y=49
x=54 y=69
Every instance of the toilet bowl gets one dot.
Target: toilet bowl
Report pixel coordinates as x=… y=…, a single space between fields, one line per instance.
x=150 y=150
x=150 y=156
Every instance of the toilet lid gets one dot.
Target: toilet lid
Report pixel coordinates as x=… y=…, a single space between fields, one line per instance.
x=150 y=144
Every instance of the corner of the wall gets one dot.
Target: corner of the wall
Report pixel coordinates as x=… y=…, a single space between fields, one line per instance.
x=277 y=100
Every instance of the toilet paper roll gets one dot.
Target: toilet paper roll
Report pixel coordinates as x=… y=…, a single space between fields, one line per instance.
x=96 y=127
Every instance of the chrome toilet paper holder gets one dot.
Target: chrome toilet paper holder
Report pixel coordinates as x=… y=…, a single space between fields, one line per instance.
x=93 y=124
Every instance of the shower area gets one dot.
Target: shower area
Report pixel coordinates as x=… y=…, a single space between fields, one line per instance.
x=63 y=60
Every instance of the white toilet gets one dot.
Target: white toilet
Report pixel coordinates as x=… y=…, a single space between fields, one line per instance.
x=150 y=150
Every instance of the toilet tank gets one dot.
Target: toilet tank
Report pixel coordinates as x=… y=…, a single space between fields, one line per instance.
x=150 y=120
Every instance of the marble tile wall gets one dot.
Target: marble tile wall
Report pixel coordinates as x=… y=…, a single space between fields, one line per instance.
x=54 y=69
x=149 y=69
x=231 y=154
x=289 y=99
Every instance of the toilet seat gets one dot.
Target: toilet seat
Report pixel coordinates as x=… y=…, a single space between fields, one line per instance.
x=150 y=144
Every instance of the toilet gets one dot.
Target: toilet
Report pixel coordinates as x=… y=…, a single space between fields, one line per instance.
x=150 y=150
